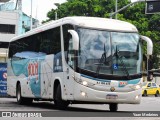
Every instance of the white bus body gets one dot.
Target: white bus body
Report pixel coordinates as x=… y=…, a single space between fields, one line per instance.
x=78 y=60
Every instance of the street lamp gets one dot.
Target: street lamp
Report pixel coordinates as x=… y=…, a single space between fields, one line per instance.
x=56 y=4
x=125 y=7
x=116 y=7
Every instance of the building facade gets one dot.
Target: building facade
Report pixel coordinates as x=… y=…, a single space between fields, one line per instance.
x=9 y=25
x=13 y=18
x=13 y=22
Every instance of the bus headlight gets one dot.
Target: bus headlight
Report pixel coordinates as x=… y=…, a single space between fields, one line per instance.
x=137 y=97
x=136 y=87
x=86 y=83
x=83 y=94
x=83 y=82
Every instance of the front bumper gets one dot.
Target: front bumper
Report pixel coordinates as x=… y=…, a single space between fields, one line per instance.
x=83 y=93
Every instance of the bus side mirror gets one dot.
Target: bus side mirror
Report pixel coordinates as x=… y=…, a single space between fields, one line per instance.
x=149 y=44
x=75 y=39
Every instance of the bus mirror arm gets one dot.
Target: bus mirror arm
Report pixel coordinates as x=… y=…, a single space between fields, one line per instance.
x=75 y=39
x=149 y=44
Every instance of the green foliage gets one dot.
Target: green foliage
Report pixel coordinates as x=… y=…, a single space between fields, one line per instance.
x=148 y=25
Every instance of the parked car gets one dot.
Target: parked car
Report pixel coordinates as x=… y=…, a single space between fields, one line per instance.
x=150 y=88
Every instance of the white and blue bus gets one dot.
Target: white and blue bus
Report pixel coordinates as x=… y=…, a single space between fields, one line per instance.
x=78 y=60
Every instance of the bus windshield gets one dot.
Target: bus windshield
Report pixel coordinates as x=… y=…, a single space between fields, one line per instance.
x=116 y=54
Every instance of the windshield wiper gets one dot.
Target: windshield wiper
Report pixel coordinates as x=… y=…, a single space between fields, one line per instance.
x=103 y=60
x=121 y=60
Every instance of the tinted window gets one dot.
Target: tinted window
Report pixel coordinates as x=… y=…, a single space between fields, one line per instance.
x=50 y=42
x=47 y=42
x=4 y=44
x=7 y=28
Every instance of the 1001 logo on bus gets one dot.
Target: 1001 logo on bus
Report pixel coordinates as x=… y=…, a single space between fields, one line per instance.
x=33 y=70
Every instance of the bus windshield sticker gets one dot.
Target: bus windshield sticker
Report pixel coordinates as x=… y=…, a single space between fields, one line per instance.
x=115 y=66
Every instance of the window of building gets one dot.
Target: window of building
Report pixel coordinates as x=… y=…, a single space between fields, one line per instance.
x=7 y=28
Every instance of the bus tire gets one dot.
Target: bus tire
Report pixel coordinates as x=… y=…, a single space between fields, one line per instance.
x=157 y=93
x=113 y=107
x=59 y=103
x=21 y=100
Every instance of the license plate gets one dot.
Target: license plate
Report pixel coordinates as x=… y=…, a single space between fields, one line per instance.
x=111 y=96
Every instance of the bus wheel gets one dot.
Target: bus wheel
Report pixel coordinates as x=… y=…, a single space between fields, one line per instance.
x=157 y=94
x=59 y=103
x=113 y=107
x=20 y=99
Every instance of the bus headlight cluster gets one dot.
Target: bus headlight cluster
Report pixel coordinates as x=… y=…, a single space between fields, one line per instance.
x=136 y=87
x=84 y=82
x=83 y=94
x=137 y=97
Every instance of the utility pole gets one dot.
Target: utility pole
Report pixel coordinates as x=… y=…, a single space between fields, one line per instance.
x=57 y=5
x=116 y=7
x=31 y=16
x=19 y=2
x=55 y=15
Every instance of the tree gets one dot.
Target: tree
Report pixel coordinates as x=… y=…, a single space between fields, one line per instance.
x=147 y=25
x=97 y=8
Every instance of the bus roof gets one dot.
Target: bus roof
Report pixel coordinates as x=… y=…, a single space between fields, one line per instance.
x=88 y=22
x=2 y=40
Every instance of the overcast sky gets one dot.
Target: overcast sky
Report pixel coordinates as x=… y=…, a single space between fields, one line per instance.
x=40 y=7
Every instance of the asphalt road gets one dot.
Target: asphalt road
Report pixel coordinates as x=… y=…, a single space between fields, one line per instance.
x=149 y=108
x=150 y=103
